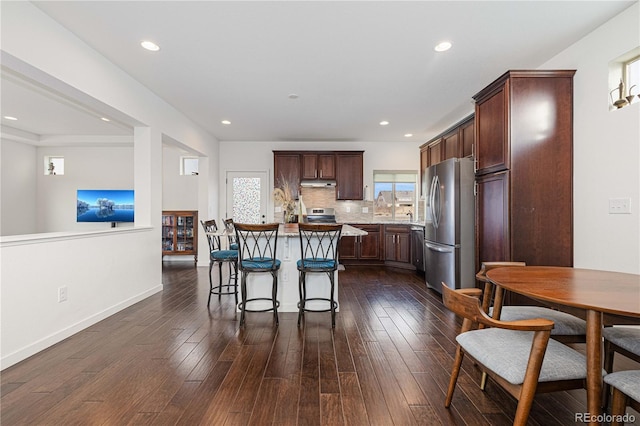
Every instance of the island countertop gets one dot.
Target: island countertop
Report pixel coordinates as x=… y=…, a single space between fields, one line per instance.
x=291 y=230
x=288 y=252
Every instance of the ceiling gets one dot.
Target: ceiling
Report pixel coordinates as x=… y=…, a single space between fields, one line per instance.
x=351 y=64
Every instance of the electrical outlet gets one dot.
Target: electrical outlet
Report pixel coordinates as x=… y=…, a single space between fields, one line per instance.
x=285 y=275
x=62 y=294
x=619 y=205
x=347 y=209
x=365 y=210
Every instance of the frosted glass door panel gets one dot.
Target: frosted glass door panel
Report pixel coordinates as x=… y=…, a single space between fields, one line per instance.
x=247 y=196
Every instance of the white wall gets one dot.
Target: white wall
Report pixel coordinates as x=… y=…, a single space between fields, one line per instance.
x=606 y=149
x=84 y=168
x=104 y=271
x=178 y=192
x=18 y=179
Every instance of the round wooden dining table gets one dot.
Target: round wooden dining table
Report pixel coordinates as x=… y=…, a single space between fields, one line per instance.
x=596 y=292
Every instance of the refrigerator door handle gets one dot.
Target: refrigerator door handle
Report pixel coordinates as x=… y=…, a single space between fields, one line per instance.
x=439 y=248
x=431 y=201
x=437 y=210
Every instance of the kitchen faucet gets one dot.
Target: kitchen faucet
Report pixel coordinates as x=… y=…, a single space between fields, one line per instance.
x=410 y=214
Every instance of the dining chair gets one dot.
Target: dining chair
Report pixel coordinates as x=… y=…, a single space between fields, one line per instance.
x=626 y=392
x=220 y=256
x=623 y=340
x=257 y=245
x=567 y=328
x=318 y=254
x=512 y=353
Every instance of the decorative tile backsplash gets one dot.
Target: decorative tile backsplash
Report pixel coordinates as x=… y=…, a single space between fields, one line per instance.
x=346 y=211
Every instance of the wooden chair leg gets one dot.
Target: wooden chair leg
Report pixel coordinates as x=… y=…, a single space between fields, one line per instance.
x=455 y=371
x=530 y=384
x=483 y=381
x=608 y=367
x=618 y=406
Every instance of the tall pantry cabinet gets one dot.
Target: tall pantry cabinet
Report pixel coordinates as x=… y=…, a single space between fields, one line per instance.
x=524 y=159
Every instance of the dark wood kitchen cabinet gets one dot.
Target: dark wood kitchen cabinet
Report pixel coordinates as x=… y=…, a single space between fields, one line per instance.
x=345 y=167
x=524 y=154
x=286 y=167
x=318 y=166
x=349 y=175
x=365 y=249
x=397 y=244
x=455 y=142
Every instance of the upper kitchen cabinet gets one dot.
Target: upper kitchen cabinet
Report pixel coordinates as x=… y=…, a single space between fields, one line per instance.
x=345 y=167
x=318 y=166
x=286 y=166
x=467 y=134
x=524 y=127
x=349 y=175
x=520 y=113
x=455 y=142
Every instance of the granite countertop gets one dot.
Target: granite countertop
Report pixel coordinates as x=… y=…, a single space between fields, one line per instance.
x=386 y=222
x=291 y=230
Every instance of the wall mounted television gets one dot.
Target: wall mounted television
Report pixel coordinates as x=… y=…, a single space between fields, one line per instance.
x=105 y=205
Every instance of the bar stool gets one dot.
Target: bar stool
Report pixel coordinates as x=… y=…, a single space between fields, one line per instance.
x=257 y=253
x=228 y=226
x=219 y=256
x=319 y=254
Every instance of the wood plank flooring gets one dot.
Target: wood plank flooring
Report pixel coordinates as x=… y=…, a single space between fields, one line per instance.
x=169 y=360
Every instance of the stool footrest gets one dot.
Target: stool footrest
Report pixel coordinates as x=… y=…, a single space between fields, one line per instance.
x=329 y=309
x=243 y=304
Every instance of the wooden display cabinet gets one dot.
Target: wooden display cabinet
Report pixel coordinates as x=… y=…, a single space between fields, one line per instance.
x=180 y=234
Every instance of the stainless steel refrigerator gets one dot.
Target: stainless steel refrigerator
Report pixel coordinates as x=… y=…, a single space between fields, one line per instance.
x=449 y=237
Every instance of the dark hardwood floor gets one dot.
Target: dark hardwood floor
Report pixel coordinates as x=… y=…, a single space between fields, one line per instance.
x=170 y=360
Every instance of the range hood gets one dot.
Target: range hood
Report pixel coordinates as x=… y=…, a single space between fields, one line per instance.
x=318 y=183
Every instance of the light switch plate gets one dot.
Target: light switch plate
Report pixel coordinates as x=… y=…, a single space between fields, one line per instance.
x=619 y=205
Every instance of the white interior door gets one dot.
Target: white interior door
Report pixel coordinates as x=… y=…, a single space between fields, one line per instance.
x=247 y=196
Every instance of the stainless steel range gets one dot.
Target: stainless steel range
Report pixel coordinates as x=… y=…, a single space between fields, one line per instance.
x=321 y=215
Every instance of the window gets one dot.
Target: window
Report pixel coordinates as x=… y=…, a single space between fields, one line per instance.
x=394 y=194
x=624 y=80
x=632 y=75
x=53 y=165
x=188 y=166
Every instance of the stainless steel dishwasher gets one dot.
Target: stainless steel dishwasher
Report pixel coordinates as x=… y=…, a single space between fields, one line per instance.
x=417 y=247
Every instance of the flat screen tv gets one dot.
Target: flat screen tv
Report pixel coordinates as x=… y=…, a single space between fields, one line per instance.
x=105 y=205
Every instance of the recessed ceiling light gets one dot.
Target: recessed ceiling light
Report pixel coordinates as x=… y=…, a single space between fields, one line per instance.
x=104 y=119
x=408 y=135
x=443 y=46
x=149 y=45
x=8 y=117
x=225 y=122
x=384 y=123
x=293 y=96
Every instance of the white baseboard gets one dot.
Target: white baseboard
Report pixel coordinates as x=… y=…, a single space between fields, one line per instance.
x=58 y=336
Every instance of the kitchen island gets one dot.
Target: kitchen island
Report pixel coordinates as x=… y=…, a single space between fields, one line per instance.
x=288 y=251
